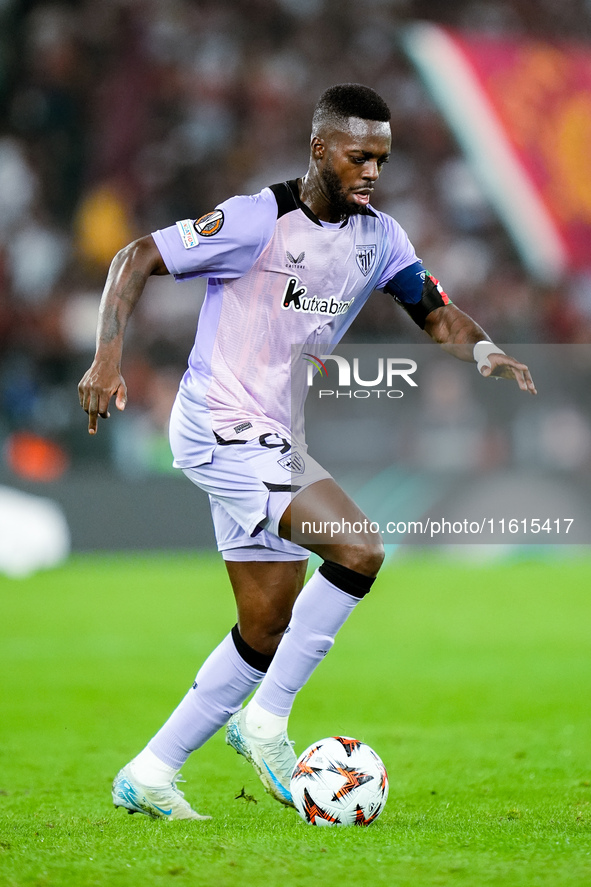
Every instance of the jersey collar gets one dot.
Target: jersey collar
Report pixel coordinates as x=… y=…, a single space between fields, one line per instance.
x=293 y=187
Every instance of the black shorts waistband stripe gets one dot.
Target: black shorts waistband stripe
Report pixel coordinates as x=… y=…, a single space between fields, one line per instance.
x=227 y=443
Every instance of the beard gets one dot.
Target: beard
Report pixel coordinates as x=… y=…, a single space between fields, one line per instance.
x=337 y=194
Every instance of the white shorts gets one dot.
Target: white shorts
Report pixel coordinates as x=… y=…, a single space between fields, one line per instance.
x=250 y=485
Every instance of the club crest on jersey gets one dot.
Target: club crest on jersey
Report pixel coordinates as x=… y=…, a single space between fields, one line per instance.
x=366 y=256
x=210 y=223
x=293 y=462
x=294 y=296
x=294 y=261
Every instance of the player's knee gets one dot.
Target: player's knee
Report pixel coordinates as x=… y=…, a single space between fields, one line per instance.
x=375 y=558
x=365 y=559
x=354 y=582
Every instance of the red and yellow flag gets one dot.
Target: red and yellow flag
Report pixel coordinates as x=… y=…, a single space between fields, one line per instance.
x=521 y=110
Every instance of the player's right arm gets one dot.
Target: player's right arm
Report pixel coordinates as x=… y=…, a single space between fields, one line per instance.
x=129 y=271
x=225 y=242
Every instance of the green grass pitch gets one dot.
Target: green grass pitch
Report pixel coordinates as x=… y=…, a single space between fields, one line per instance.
x=473 y=683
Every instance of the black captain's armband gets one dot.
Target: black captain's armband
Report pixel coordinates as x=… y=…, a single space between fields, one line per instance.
x=418 y=292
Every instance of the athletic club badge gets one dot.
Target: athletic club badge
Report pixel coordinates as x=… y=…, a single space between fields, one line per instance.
x=294 y=463
x=366 y=256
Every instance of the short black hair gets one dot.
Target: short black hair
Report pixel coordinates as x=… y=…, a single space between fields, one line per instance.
x=338 y=103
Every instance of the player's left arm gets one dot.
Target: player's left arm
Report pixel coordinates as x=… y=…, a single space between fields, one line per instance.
x=461 y=336
x=425 y=301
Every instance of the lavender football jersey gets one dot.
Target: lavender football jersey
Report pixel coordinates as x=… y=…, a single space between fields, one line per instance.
x=277 y=277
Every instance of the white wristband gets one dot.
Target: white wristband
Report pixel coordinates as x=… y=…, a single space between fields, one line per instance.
x=482 y=350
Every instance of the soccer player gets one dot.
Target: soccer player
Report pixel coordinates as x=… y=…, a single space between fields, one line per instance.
x=292 y=264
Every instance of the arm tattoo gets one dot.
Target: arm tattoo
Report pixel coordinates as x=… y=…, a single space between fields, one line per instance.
x=119 y=305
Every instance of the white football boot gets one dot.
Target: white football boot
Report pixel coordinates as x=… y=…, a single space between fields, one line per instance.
x=273 y=759
x=161 y=802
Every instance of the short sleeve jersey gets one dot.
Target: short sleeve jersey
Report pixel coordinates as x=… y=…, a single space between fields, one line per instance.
x=277 y=278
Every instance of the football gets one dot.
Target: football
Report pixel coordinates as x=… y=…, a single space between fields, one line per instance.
x=339 y=781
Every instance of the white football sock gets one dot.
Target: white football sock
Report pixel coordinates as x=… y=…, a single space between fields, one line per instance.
x=320 y=610
x=262 y=723
x=150 y=770
x=222 y=684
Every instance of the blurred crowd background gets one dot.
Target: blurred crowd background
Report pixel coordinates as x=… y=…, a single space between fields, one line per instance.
x=119 y=117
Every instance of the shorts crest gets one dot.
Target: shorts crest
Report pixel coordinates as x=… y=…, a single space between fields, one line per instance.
x=294 y=463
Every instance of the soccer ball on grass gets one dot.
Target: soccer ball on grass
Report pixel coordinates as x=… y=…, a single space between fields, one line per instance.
x=339 y=781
